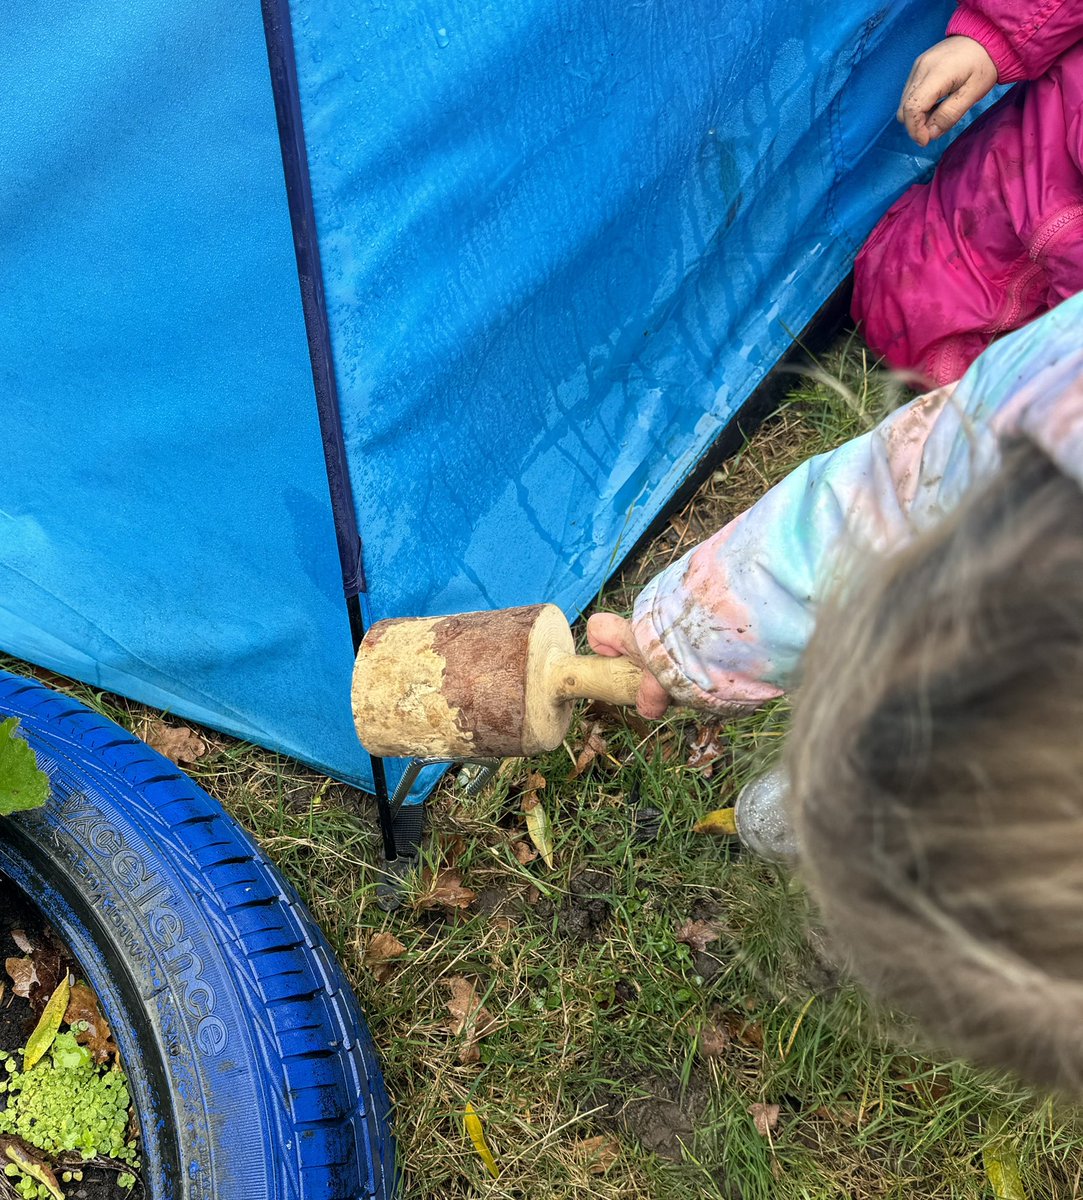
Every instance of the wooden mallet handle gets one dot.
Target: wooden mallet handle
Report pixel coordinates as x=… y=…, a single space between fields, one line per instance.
x=592 y=677
x=486 y=684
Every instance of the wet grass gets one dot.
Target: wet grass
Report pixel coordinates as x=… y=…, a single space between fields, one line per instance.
x=601 y=1015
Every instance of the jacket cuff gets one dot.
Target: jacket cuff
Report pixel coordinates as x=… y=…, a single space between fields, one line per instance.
x=968 y=23
x=742 y=694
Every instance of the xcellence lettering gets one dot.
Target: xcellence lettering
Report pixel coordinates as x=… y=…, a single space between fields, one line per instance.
x=150 y=895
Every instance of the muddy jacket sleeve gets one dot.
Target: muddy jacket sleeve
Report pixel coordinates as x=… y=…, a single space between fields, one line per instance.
x=1023 y=37
x=725 y=626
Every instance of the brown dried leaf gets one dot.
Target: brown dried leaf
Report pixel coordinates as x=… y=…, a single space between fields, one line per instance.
x=452 y=849
x=23 y=975
x=444 y=890
x=612 y=716
x=707 y=747
x=177 y=742
x=601 y=1153
x=743 y=1030
x=535 y=782
x=524 y=852
x=468 y=1017
x=713 y=1040
x=594 y=745
x=765 y=1118
x=51 y=964
x=97 y=1037
x=18 y=936
x=382 y=950
x=533 y=895
x=698 y=934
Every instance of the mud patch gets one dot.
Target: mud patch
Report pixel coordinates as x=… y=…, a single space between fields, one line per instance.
x=585 y=911
x=654 y=1111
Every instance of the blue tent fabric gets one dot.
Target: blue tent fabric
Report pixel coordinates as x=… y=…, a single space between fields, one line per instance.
x=560 y=245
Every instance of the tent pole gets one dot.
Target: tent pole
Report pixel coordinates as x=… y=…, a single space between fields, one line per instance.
x=291 y=136
x=379 y=775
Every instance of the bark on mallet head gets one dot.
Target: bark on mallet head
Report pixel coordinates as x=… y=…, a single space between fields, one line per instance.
x=482 y=684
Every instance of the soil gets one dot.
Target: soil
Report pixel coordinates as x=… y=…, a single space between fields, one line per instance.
x=18 y=1017
x=585 y=911
x=661 y=1116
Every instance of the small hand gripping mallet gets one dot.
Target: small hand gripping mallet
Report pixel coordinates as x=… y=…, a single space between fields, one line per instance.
x=478 y=685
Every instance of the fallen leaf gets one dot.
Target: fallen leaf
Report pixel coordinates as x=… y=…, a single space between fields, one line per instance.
x=95 y=1035
x=18 y=936
x=524 y=853
x=765 y=1118
x=537 y=821
x=720 y=822
x=22 y=784
x=713 y=1040
x=30 y=1162
x=177 y=742
x=468 y=1017
x=48 y=1025
x=708 y=746
x=593 y=745
x=613 y=716
x=444 y=890
x=698 y=934
x=533 y=895
x=382 y=950
x=843 y=1116
x=1002 y=1167
x=743 y=1030
x=451 y=849
x=23 y=975
x=600 y=1152
x=477 y=1136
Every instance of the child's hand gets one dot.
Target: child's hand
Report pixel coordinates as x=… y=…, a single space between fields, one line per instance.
x=611 y=636
x=945 y=82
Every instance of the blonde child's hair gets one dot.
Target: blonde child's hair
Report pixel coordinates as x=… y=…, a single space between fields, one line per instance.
x=936 y=761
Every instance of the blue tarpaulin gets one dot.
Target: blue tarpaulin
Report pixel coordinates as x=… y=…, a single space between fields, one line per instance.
x=556 y=245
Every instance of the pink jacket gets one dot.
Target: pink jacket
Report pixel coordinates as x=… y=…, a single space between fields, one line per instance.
x=997 y=237
x=726 y=625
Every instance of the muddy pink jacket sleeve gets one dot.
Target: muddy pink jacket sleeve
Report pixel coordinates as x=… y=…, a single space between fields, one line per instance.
x=1023 y=37
x=725 y=626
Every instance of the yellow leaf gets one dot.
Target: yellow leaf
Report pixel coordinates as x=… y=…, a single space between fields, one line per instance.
x=477 y=1136
x=719 y=822
x=35 y=1168
x=48 y=1024
x=1002 y=1167
x=537 y=825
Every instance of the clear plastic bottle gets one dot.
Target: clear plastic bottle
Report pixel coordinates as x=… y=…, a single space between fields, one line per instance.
x=762 y=821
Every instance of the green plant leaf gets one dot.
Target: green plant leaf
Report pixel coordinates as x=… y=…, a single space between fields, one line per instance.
x=22 y=785
x=48 y=1024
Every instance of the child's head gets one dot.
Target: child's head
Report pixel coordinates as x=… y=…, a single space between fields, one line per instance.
x=937 y=772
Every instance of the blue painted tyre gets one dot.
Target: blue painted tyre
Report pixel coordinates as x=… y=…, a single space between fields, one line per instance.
x=251 y=1068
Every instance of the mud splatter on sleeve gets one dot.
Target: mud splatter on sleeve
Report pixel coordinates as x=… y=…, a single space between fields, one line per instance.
x=725 y=626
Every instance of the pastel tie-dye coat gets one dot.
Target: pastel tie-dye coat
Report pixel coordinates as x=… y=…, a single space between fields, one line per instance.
x=725 y=626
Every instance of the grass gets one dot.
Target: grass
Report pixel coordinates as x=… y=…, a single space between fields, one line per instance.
x=596 y=1056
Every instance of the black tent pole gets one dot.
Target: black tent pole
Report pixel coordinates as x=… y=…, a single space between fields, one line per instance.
x=379 y=775
x=291 y=137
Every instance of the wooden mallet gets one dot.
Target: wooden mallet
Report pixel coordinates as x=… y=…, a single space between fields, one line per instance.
x=478 y=685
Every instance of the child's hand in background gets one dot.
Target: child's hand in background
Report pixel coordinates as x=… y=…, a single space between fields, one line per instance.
x=945 y=82
x=611 y=636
